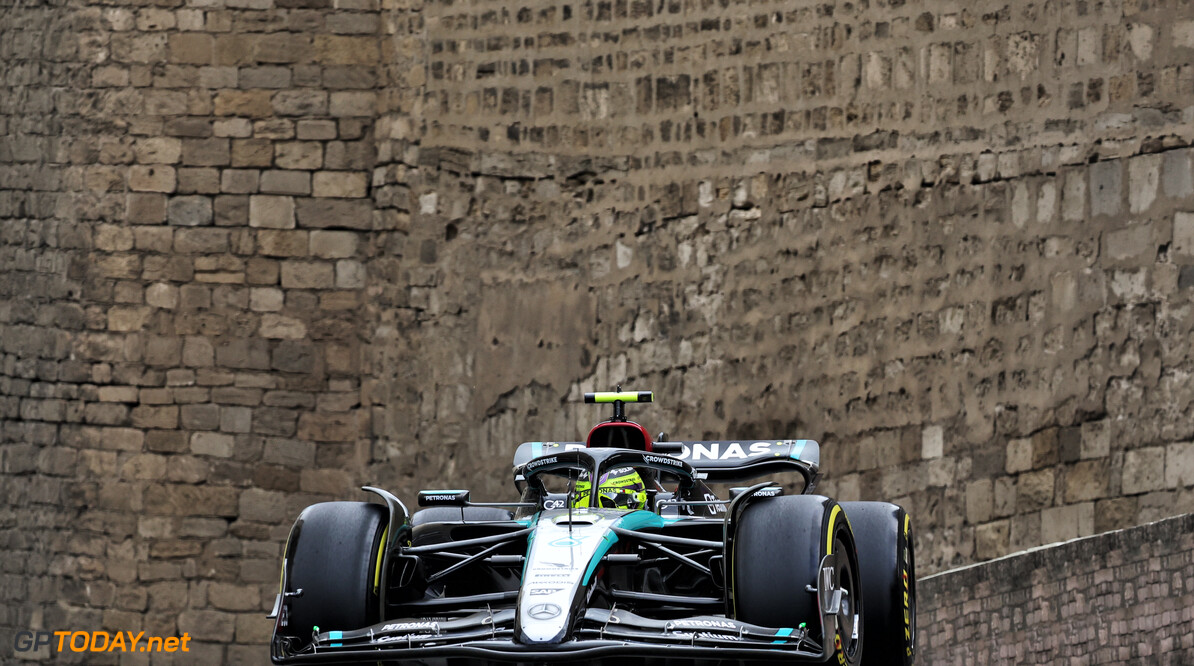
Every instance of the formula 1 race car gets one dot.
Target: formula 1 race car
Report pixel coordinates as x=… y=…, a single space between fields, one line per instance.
x=618 y=551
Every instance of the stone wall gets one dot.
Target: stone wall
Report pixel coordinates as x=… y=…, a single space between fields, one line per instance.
x=255 y=253
x=1124 y=597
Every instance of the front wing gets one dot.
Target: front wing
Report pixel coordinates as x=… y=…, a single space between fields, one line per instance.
x=599 y=635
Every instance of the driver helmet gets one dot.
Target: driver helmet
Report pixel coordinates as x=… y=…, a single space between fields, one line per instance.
x=620 y=488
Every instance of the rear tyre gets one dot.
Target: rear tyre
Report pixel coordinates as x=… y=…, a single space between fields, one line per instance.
x=777 y=553
x=887 y=562
x=332 y=557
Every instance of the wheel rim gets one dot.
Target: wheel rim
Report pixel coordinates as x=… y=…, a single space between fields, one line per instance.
x=847 y=579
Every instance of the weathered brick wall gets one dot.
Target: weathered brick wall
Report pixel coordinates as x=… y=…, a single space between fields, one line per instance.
x=186 y=204
x=254 y=253
x=1125 y=597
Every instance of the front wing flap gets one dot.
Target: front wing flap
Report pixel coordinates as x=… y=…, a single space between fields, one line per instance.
x=599 y=634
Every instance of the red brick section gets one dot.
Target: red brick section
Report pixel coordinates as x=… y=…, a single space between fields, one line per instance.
x=1116 y=598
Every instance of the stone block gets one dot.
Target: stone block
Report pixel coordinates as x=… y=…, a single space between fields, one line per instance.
x=295 y=355
x=1019 y=456
x=1179 y=465
x=300 y=103
x=128 y=319
x=266 y=299
x=1087 y=480
x=265 y=77
x=155 y=178
x=201 y=180
x=307 y=275
x=1144 y=176
x=330 y=427
x=1132 y=243
x=1144 y=470
x=162 y=295
x=282 y=243
x=232 y=128
x=1045 y=449
x=197 y=352
x=201 y=241
x=992 y=539
x=271 y=212
x=158 y=150
x=1183 y=234
x=274 y=128
x=1176 y=180
x=248 y=354
x=239 y=181
x=292 y=453
x=1073 y=196
x=274 y=422
x=333 y=244
x=1034 y=490
x=1183 y=34
x=335 y=213
x=350 y=274
x=213 y=444
x=339 y=184
x=154 y=239
x=164 y=417
x=298 y=154
x=348 y=155
x=1106 y=188
x=261 y=271
x=207 y=625
x=979 y=501
x=1096 y=439
x=243 y=103
x=315 y=130
x=252 y=153
x=189 y=211
x=281 y=327
x=206 y=152
x=236 y=419
x=193 y=48
x=354 y=103
x=165 y=103
x=286 y=182
x=342 y=50
x=231 y=211
x=1059 y=524
x=162 y=351
x=145 y=208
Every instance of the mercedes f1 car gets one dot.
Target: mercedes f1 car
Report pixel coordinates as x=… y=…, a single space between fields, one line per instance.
x=617 y=551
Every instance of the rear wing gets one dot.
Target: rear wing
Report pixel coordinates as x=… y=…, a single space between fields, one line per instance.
x=720 y=461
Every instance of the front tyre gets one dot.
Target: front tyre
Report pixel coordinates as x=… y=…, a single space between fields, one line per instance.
x=887 y=562
x=332 y=556
x=777 y=552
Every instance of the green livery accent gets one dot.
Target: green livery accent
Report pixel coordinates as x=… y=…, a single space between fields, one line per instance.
x=797 y=449
x=631 y=521
x=622 y=396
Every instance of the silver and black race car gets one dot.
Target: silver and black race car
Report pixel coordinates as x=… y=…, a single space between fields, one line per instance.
x=618 y=551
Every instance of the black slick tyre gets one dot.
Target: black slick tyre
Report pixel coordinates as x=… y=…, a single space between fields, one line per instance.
x=777 y=551
x=332 y=556
x=887 y=562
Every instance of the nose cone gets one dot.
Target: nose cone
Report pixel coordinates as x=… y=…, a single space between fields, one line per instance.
x=560 y=561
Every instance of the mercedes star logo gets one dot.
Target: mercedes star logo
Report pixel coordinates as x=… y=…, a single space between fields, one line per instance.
x=544 y=611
